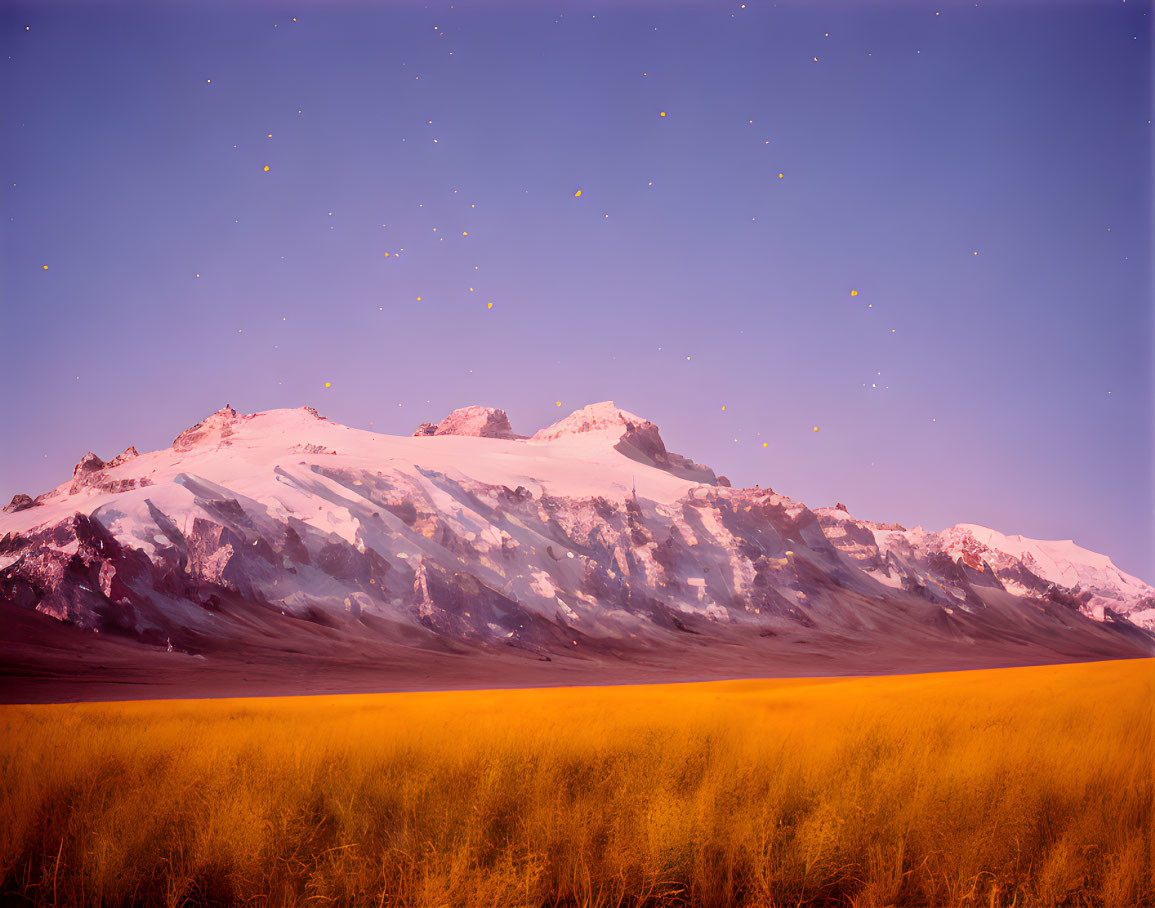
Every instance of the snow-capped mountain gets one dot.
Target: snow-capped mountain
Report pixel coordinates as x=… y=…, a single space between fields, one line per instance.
x=1026 y=567
x=586 y=539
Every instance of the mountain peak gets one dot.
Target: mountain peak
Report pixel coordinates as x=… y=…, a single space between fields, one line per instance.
x=89 y=463
x=212 y=425
x=476 y=421
x=628 y=434
x=129 y=453
x=602 y=418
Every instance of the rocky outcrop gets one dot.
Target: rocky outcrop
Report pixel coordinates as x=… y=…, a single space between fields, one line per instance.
x=91 y=473
x=479 y=422
x=86 y=473
x=210 y=428
x=89 y=463
x=130 y=453
x=20 y=502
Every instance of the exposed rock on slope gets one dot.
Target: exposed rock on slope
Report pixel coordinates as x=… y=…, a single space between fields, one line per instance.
x=124 y=457
x=20 y=502
x=1057 y=570
x=480 y=422
x=214 y=427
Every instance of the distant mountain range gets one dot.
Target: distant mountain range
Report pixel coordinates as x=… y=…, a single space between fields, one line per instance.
x=281 y=550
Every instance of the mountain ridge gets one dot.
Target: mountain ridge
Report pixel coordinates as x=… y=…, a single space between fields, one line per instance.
x=587 y=540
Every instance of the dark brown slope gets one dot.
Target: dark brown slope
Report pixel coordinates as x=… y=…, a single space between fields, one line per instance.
x=43 y=660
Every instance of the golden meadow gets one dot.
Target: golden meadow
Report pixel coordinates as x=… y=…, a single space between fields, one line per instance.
x=1027 y=786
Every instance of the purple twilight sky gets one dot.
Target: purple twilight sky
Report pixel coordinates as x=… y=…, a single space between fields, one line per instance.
x=924 y=229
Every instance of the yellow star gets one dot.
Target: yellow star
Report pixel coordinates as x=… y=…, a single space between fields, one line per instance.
x=854 y=293
x=266 y=168
x=578 y=194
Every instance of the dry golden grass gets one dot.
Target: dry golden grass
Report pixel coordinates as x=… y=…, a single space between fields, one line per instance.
x=1016 y=787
